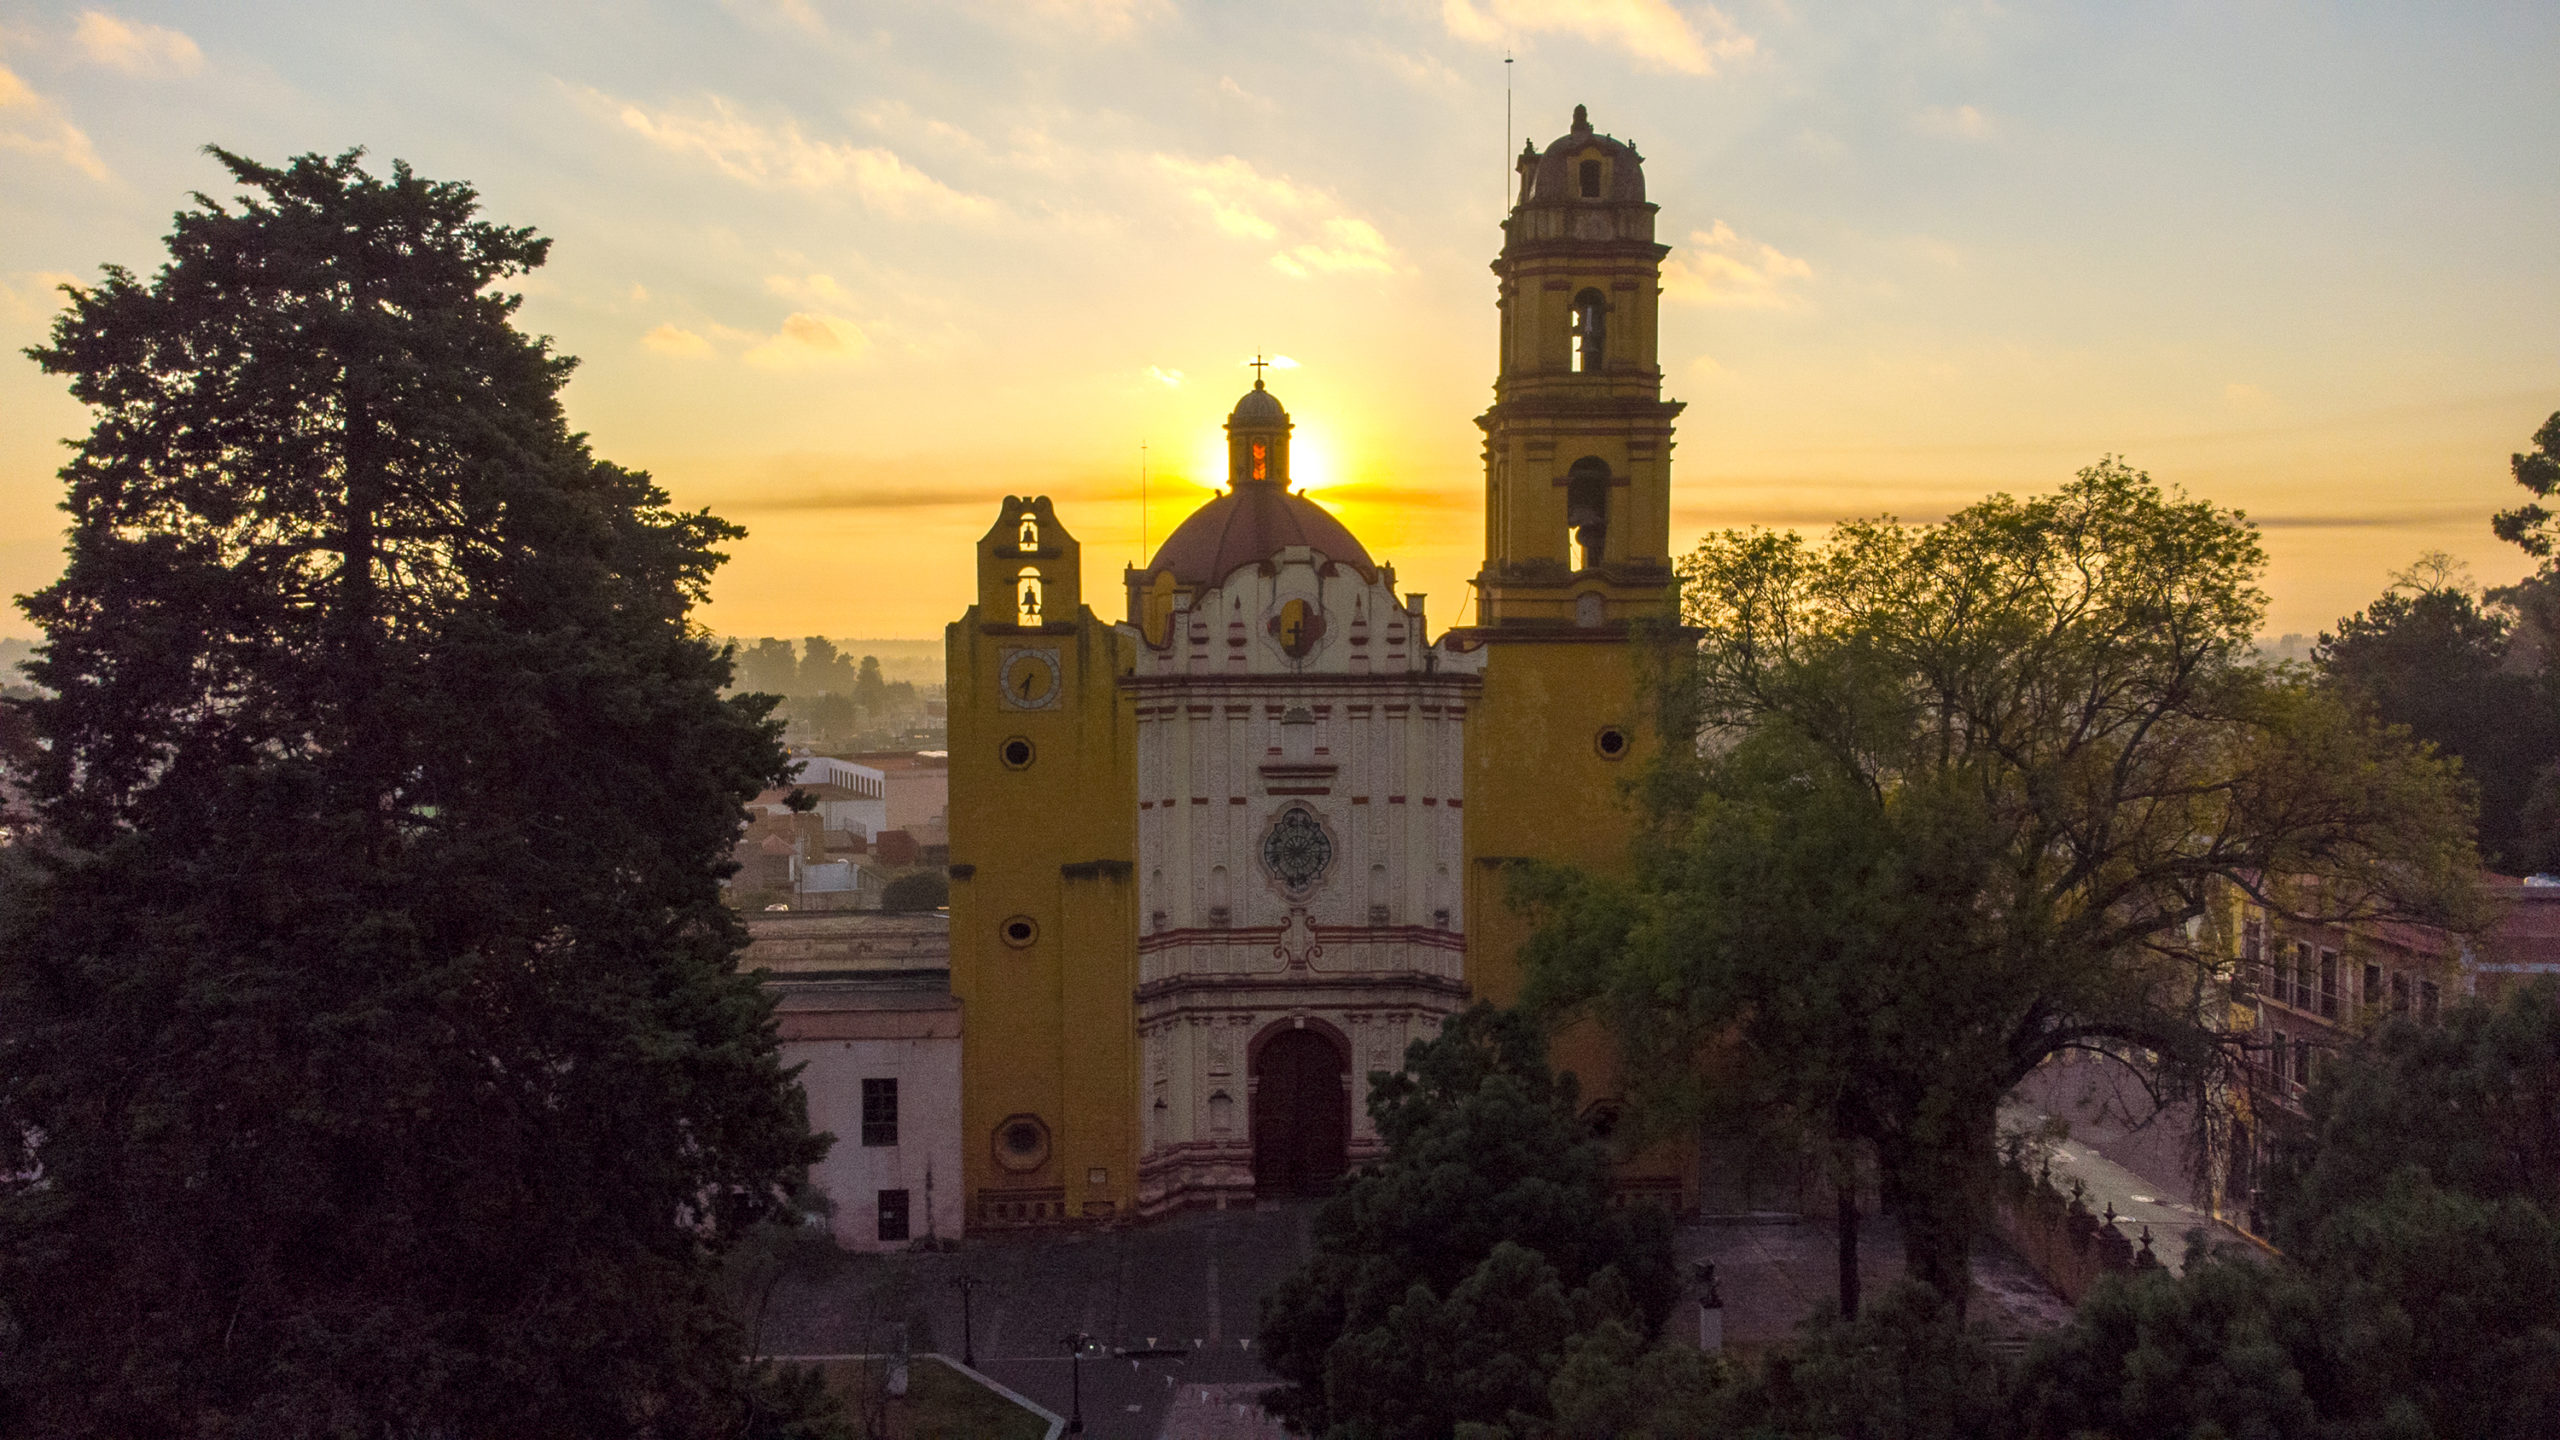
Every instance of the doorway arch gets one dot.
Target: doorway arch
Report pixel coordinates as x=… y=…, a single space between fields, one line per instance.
x=1301 y=1113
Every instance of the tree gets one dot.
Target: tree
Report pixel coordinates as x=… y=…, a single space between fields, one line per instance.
x=768 y=667
x=823 y=669
x=1449 y=1279
x=2433 y=656
x=917 y=890
x=2528 y=526
x=2419 y=1290
x=869 y=690
x=377 y=1061
x=1963 y=796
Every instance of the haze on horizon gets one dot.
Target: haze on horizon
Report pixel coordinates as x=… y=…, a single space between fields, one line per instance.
x=850 y=274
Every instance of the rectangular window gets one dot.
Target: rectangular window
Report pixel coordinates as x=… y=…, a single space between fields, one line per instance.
x=2427 y=1000
x=2329 y=984
x=879 y=1112
x=2301 y=1063
x=2373 y=984
x=2304 y=967
x=893 y=1214
x=2276 y=1056
x=2399 y=992
x=2253 y=942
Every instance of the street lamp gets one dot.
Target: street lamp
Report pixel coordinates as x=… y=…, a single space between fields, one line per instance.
x=1075 y=1343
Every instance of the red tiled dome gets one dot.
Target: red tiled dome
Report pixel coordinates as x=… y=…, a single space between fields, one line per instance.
x=1249 y=524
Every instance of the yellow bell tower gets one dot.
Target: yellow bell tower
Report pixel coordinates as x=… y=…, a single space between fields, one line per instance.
x=1578 y=442
x=1043 y=909
x=1577 y=576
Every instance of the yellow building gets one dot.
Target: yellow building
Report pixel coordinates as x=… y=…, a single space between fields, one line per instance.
x=1216 y=863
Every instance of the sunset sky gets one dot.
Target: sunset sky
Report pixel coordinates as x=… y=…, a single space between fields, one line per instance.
x=849 y=274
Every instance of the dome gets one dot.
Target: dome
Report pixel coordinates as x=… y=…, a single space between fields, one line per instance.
x=1259 y=409
x=1249 y=524
x=1552 y=176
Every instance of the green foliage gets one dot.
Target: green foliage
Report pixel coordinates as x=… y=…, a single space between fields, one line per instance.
x=2419 y=1292
x=2528 y=526
x=824 y=670
x=2432 y=656
x=1449 y=1279
x=768 y=667
x=1967 y=794
x=377 y=1059
x=2467 y=1102
x=917 y=890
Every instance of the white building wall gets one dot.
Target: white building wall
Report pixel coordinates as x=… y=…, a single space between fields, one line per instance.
x=1366 y=732
x=927 y=1155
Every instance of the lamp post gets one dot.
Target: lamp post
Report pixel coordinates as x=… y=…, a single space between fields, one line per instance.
x=1075 y=1344
x=966 y=1284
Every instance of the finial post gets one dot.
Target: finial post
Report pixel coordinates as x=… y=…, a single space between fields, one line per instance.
x=1258 y=364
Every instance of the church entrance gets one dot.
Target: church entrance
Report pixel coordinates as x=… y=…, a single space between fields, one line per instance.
x=1301 y=1114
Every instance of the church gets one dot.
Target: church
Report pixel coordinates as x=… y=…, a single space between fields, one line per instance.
x=1216 y=860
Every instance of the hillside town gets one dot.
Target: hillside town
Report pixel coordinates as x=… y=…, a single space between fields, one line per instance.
x=1898 y=779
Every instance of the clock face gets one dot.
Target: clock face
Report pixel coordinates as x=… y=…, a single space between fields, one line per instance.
x=1027 y=679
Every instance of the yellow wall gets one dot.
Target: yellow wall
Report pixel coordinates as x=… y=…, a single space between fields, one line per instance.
x=1049 y=1028
x=1539 y=788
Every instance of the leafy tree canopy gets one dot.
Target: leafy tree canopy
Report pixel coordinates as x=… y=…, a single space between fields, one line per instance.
x=1961 y=796
x=377 y=1062
x=1449 y=1278
x=2528 y=526
x=2435 y=656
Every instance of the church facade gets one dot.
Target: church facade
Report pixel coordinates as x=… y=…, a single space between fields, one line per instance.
x=1216 y=861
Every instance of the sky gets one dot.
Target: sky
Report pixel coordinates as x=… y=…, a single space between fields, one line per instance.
x=850 y=274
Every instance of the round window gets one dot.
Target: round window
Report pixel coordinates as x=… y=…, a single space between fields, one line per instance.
x=1016 y=753
x=1612 y=743
x=1019 y=931
x=1022 y=1143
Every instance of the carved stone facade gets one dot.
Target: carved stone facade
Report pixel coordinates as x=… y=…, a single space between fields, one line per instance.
x=1301 y=753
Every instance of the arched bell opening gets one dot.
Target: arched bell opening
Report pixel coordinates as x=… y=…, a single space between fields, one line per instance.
x=1586 y=511
x=1590 y=324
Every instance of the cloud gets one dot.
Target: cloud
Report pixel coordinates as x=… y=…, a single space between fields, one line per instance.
x=1316 y=236
x=670 y=340
x=1961 y=122
x=805 y=340
x=1228 y=87
x=809 y=289
x=1658 y=34
x=1170 y=379
x=1101 y=19
x=1348 y=245
x=31 y=125
x=781 y=156
x=1722 y=269
x=134 y=47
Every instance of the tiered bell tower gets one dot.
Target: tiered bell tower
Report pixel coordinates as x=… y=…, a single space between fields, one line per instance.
x=1578 y=442
x=1577 y=580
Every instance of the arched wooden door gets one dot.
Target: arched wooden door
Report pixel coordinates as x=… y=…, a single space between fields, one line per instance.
x=1301 y=1114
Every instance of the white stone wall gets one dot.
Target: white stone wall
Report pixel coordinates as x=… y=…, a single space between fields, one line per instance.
x=1365 y=730
x=927 y=1069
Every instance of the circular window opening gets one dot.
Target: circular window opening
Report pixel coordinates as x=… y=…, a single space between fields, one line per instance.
x=1019 y=931
x=1016 y=753
x=1611 y=742
x=1022 y=1143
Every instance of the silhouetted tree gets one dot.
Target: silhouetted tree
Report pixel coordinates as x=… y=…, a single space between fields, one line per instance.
x=376 y=1060
x=2432 y=655
x=1449 y=1278
x=1941 y=802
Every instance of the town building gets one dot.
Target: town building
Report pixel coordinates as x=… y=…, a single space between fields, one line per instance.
x=1216 y=861
x=864 y=1007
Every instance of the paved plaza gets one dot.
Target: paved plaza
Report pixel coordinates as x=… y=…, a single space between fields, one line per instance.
x=1191 y=1285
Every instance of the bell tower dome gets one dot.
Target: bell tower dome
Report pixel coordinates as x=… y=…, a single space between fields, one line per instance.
x=1578 y=442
